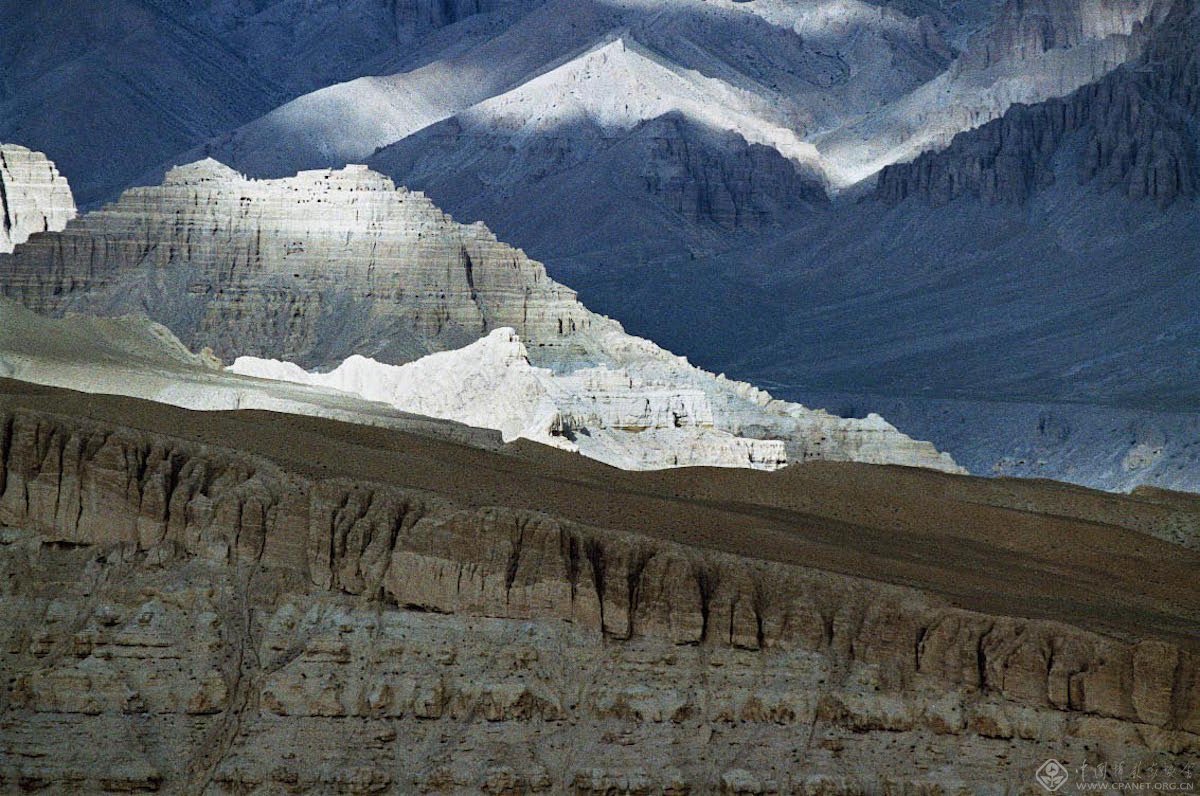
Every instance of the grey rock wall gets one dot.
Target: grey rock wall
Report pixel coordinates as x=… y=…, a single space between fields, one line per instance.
x=34 y=197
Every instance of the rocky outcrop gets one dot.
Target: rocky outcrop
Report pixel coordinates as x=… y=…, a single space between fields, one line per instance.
x=236 y=617
x=1025 y=29
x=327 y=264
x=603 y=413
x=1025 y=51
x=34 y=197
x=1133 y=130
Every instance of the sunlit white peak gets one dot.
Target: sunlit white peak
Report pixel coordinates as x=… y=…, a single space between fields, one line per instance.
x=620 y=84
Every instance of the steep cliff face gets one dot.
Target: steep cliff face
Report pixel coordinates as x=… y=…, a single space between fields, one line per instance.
x=720 y=179
x=1025 y=29
x=255 y=627
x=1023 y=52
x=34 y=197
x=1133 y=130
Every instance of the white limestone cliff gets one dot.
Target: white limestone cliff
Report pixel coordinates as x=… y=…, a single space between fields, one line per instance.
x=311 y=268
x=603 y=413
x=34 y=197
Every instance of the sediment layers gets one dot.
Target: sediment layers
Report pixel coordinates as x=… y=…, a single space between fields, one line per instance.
x=322 y=263
x=242 y=625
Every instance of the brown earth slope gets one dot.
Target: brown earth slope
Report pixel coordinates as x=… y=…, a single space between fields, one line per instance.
x=269 y=603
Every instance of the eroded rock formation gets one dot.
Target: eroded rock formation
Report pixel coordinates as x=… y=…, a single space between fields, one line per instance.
x=1026 y=29
x=1133 y=130
x=315 y=268
x=324 y=263
x=720 y=178
x=34 y=197
x=254 y=627
x=603 y=413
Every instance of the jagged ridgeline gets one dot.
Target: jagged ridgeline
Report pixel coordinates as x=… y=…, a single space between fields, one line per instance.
x=311 y=269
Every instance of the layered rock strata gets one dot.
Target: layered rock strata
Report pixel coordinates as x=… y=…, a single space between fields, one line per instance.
x=239 y=625
x=34 y=197
x=315 y=268
x=325 y=262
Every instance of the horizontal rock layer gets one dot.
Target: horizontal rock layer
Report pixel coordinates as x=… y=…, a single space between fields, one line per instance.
x=326 y=261
x=254 y=627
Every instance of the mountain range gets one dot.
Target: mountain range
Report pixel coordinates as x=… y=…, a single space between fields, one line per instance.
x=422 y=396
x=862 y=84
